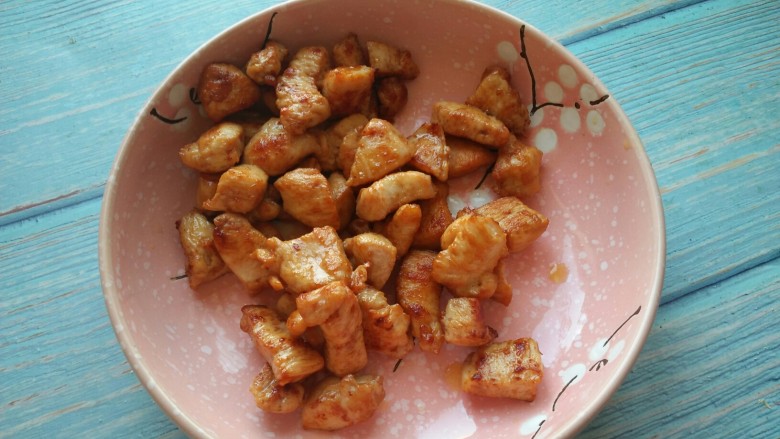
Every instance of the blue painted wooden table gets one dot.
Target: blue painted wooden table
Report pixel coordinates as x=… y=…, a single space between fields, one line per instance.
x=700 y=79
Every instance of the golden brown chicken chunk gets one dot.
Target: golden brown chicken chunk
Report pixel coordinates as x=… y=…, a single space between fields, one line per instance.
x=250 y=121
x=389 y=193
x=272 y=397
x=335 y=309
x=504 y=293
x=471 y=247
x=382 y=149
x=264 y=66
x=240 y=189
x=470 y=122
x=385 y=326
x=467 y=156
x=337 y=403
x=347 y=89
x=509 y=369
x=348 y=52
x=521 y=224
x=418 y=294
x=268 y=208
x=207 y=187
x=276 y=151
x=496 y=97
x=374 y=250
x=391 y=61
x=344 y=198
x=391 y=96
x=290 y=358
x=464 y=323
x=435 y=219
x=307 y=197
x=333 y=136
x=216 y=150
x=401 y=227
x=517 y=169
x=196 y=235
x=313 y=260
x=301 y=105
x=348 y=149
x=432 y=152
x=224 y=89
x=245 y=250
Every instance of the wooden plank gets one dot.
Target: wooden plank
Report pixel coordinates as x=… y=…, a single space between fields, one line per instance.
x=710 y=368
x=715 y=151
x=86 y=68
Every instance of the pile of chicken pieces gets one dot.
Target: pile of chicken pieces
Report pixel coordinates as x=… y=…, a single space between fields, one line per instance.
x=308 y=190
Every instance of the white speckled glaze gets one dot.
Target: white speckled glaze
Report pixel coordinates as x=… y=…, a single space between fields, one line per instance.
x=606 y=226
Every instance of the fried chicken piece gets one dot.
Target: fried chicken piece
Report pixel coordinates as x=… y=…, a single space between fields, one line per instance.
x=290 y=358
x=348 y=88
x=224 y=89
x=332 y=138
x=348 y=149
x=344 y=198
x=467 y=156
x=306 y=196
x=432 y=152
x=376 y=251
x=392 y=96
x=471 y=247
x=268 y=208
x=239 y=190
x=216 y=150
x=196 y=235
x=385 y=326
x=334 y=308
x=389 y=193
x=301 y=105
x=391 y=61
x=464 y=324
x=504 y=293
x=337 y=403
x=250 y=256
x=313 y=260
x=401 y=227
x=207 y=187
x=509 y=369
x=275 y=150
x=382 y=149
x=496 y=96
x=522 y=224
x=264 y=66
x=470 y=122
x=435 y=219
x=418 y=294
x=272 y=397
x=517 y=169
x=250 y=121
x=348 y=52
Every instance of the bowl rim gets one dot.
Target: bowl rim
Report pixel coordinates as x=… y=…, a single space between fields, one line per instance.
x=569 y=428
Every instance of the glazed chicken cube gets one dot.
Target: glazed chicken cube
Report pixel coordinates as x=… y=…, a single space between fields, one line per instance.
x=348 y=52
x=290 y=358
x=375 y=251
x=431 y=151
x=337 y=403
x=401 y=227
x=471 y=247
x=496 y=97
x=522 y=224
x=385 y=326
x=391 y=61
x=264 y=66
x=246 y=251
x=240 y=189
x=467 y=156
x=306 y=196
x=313 y=260
x=224 y=89
x=470 y=122
x=418 y=294
x=509 y=369
x=347 y=89
x=382 y=149
x=343 y=196
x=464 y=323
x=276 y=151
x=333 y=136
x=391 y=192
x=435 y=218
x=335 y=309
x=301 y=105
x=207 y=187
x=347 y=150
x=517 y=169
x=216 y=150
x=272 y=397
x=391 y=96
x=196 y=235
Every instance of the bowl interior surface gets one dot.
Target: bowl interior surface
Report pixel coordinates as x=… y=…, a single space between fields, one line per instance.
x=606 y=228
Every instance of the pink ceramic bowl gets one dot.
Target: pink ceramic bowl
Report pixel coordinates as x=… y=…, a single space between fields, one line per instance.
x=606 y=229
